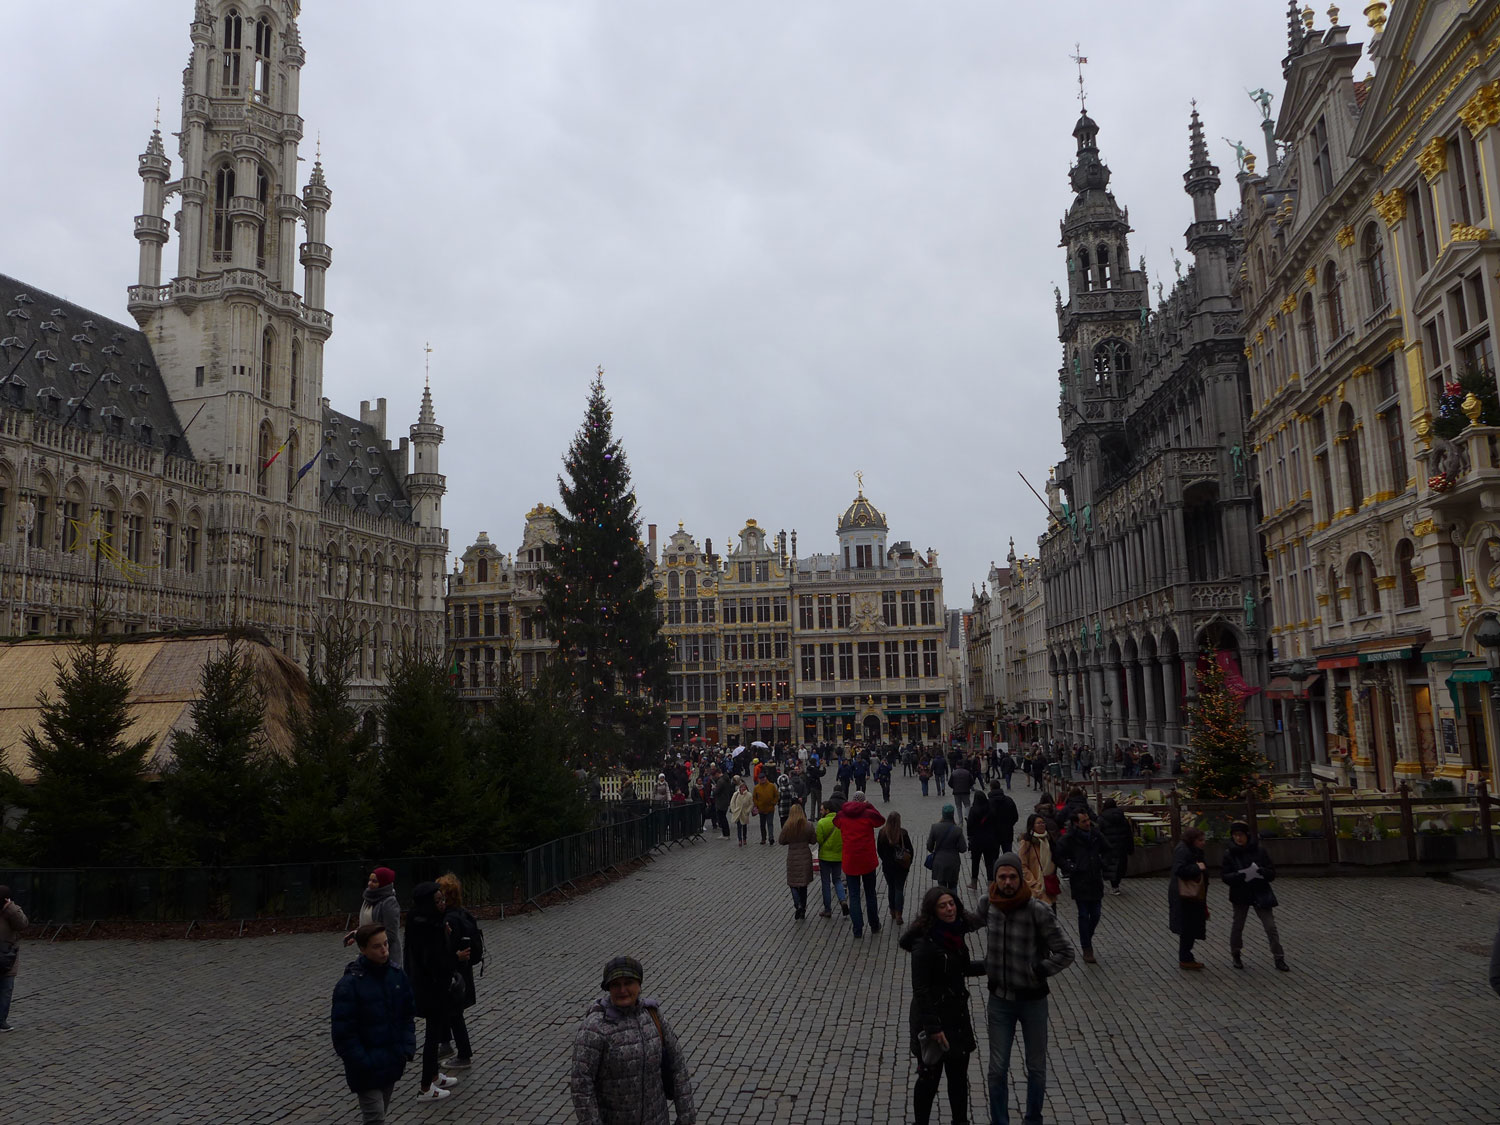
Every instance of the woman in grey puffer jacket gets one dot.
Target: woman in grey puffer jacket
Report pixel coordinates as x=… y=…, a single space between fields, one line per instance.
x=380 y=905
x=617 y=1057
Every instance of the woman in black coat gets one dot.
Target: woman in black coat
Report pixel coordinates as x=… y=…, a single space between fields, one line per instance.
x=984 y=838
x=1118 y=833
x=940 y=1003
x=463 y=934
x=1187 y=896
x=431 y=963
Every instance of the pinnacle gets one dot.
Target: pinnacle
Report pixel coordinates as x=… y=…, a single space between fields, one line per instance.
x=1198 y=150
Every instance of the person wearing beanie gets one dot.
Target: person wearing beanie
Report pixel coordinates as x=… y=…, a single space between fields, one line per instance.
x=627 y=1062
x=1025 y=947
x=857 y=821
x=946 y=843
x=1248 y=871
x=380 y=906
x=431 y=963
x=1187 y=896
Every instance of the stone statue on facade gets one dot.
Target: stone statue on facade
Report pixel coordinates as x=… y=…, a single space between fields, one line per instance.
x=1239 y=151
x=1262 y=98
x=1249 y=611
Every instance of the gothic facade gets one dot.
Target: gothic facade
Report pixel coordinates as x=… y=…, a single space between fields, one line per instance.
x=1151 y=563
x=197 y=449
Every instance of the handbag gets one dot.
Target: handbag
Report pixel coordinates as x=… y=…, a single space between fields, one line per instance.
x=932 y=1050
x=668 y=1078
x=1053 y=884
x=928 y=861
x=458 y=990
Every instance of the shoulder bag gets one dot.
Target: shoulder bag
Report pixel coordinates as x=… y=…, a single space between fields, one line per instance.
x=668 y=1078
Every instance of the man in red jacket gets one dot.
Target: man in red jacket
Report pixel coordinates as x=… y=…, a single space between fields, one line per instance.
x=858 y=821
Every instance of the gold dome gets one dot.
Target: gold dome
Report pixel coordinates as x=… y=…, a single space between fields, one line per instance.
x=862 y=514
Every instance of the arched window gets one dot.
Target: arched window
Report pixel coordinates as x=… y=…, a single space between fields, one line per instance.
x=292 y=463
x=223 y=246
x=1372 y=258
x=484 y=570
x=296 y=373
x=1111 y=367
x=1333 y=297
x=673 y=585
x=135 y=531
x=1353 y=465
x=1085 y=265
x=1308 y=327
x=1410 y=596
x=1104 y=266
x=690 y=585
x=263 y=193
x=1260 y=267
x=192 y=541
x=42 y=500
x=267 y=357
x=1334 y=601
x=260 y=547
x=262 y=59
x=232 y=44
x=1361 y=573
x=263 y=450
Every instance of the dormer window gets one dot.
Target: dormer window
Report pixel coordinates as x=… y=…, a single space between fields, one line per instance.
x=1322 y=165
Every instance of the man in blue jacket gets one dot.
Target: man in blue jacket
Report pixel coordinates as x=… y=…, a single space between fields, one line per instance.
x=374 y=1022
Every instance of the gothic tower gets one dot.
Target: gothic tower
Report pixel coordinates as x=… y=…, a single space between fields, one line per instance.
x=426 y=485
x=240 y=350
x=1099 y=324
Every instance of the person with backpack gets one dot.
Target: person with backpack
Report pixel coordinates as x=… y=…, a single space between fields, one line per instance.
x=830 y=860
x=627 y=1062
x=945 y=845
x=463 y=934
x=431 y=965
x=894 y=848
x=883 y=775
x=815 y=772
x=924 y=773
x=984 y=839
x=374 y=1022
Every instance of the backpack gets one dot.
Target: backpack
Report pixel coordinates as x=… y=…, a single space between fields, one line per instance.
x=476 y=942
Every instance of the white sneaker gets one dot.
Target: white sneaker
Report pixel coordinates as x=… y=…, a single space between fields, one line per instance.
x=444 y=1081
x=435 y=1094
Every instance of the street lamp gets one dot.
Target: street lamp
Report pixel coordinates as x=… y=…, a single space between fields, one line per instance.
x=1488 y=636
x=1109 y=740
x=1298 y=673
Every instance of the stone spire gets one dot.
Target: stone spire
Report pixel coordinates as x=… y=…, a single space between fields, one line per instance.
x=1201 y=180
x=1296 y=34
x=150 y=227
x=426 y=416
x=1207 y=239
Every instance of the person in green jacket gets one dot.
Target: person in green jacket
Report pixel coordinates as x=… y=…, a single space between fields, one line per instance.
x=831 y=862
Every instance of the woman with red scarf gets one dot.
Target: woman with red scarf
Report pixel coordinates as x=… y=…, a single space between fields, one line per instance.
x=942 y=1035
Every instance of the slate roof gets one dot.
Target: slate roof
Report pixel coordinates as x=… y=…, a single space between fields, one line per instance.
x=359 y=470
x=84 y=369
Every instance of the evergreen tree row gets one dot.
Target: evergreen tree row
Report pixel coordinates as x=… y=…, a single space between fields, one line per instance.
x=439 y=781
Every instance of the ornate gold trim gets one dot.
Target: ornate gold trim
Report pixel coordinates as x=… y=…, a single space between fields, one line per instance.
x=1419 y=572
x=1311 y=277
x=1361 y=371
x=1249 y=352
x=1322 y=599
x=1345 y=236
x=1260 y=338
x=1385 y=582
x=1482 y=110
x=1432 y=159
x=1271 y=323
x=1463 y=233
x=1395 y=346
x=1289 y=303
x=1424 y=527
x=1391 y=206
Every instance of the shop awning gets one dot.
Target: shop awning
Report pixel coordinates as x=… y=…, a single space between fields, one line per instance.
x=1446 y=655
x=691 y=721
x=677 y=720
x=1386 y=656
x=748 y=722
x=783 y=720
x=767 y=722
x=1350 y=661
x=1470 y=676
x=1282 y=687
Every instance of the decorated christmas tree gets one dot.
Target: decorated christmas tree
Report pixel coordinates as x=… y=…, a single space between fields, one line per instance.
x=599 y=601
x=1223 y=762
x=1452 y=418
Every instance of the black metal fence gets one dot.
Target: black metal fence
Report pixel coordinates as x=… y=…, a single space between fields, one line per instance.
x=293 y=890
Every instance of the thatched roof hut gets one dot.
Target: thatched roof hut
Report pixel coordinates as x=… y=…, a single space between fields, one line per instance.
x=165 y=671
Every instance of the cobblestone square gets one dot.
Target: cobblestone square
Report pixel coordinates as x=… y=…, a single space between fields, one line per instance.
x=1387 y=1015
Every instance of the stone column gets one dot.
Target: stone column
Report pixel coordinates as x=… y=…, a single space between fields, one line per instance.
x=1408 y=752
x=1363 y=762
x=1137 y=723
x=1171 y=701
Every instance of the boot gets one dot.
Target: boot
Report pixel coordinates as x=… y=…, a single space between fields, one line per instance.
x=1282 y=965
x=1238 y=964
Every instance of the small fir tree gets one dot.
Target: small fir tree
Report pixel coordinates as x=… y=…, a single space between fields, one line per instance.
x=434 y=796
x=218 y=788
x=527 y=739
x=1223 y=762
x=87 y=802
x=1451 y=420
x=599 y=601
x=324 y=790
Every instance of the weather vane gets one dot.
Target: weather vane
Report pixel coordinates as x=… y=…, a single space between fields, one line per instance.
x=859 y=478
x=427 y=361
x=1080 y=60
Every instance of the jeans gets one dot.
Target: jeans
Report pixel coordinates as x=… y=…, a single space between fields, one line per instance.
x=867 y=880
x=435 y=1030
x=941 y=780
x=885 y=790
x=767 y=829
x=895 y=890
x=956 y=1063
x=960 y=806
x=833 y=876
x=1003 y=1016
x=1088 y=921
x=741 y=831
x=799 y=900
x=1236 y=933
x=374 y=1103
x=924 y=787
x=460 y=1032
x=7 y=990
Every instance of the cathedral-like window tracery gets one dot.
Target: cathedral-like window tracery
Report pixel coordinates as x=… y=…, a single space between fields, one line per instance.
x=263 y=59
x=1111 y=367
x=232 y=43
x=223 y=241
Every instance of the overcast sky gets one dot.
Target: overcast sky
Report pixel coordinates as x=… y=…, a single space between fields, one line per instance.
x=801 y=238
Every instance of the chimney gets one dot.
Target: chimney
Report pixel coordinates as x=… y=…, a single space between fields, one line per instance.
x=781 y=545
x=651 y=540
x=375 y=419
x=794 y=542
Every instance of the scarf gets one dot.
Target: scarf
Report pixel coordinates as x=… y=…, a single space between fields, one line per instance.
x=387 y=890
x=1000 y=902
x=947 y=935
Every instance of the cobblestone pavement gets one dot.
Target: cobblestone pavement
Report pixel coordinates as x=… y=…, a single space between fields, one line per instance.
x=1386 y=1017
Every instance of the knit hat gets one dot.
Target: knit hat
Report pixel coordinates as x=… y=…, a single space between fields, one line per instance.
x=947 y=812
x=621 y=968
x=1009 y=859
x=1239 y=826
x=859 y=795
x=384 y=876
